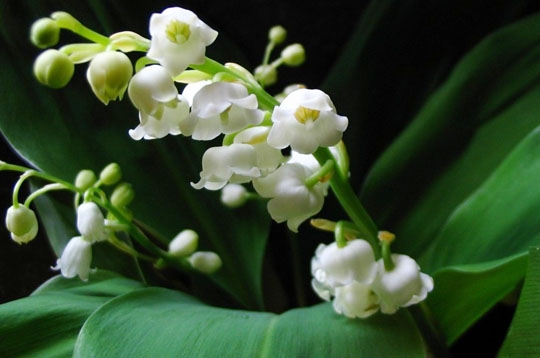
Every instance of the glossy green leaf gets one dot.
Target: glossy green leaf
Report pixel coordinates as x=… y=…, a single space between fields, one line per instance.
x=47 y=323
x=464 y=131
x=463 y=294
x=523 y=339
x=499 y=219
x=159 y=322
x=67 y=130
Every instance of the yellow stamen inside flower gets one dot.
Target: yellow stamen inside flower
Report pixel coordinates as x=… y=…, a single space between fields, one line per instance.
x=306 y=115
x=178 y=32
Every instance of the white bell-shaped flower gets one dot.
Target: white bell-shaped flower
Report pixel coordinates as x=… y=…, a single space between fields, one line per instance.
x=306 y=120
x=152 y=127
x=268 y=158
x=108 y=74
x=337 y=266
x=184 y=244
x=178 y=39
x=234 y=195
x=355 y=300
x=221 y=107
x=161 y=109
x=236 y=163
x=75 y=259
x=91 y=222
x=291 y=199
x=403 y=286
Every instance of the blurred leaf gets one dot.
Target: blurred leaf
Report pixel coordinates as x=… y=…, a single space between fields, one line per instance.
x=463 y=294
x=159 y=322
x=523 y=339
x=62 y=132
x=47 y=323
x=487 y=105
x=397 y=55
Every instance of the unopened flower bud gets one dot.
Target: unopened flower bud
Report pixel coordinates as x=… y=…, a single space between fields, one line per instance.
x=205 y=261
x=85 y=179
x=277 y=34
x=293 y=55
x=44 y=33
x=233 y=195
x=109 y=73
x=53 y=68
x=184 y=244
x=122 y=195
x=111 y=174
x=21 y=221
x=266 y=74
x=66 y=20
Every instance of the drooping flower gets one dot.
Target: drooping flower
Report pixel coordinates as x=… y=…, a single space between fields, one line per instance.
x=75 y=259
x=108 y=74
x=91 y=223
x=336 y=266
x=220 y=107
x=236 y=163
x=161 y=109
x=268 y=158
x=178 y=39
x=291 y=199
x=355 y=300
x=22 y=223
x=306 y=120
x=403 y=286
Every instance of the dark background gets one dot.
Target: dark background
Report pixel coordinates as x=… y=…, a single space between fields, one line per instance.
x=323 y=27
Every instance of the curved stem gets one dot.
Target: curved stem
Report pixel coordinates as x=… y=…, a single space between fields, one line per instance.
x=351 y=204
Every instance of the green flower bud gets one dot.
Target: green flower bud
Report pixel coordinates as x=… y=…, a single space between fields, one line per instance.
x=184 y=244
x=22 y=223
x=266 y=75
x=277 y=34
x=53 y=68
x=85 y=179
x=205 y=261
x=109 y=74
x=44 y=33
x=122 y=195
x=111 y=174
x=293 y=55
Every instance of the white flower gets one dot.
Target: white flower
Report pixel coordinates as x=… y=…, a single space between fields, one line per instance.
x=108 y=74
x=75 y=259
x=221 y=107
x=235 y=163
x=268 y=158
x=184 y=244
x=161 y=109
x=355 y=300
x=403 y=286
x=91 y=223
x=172 y=115
x=291 y=200
x=178 y=39
x=233 y=195
x=206 y=262
x=337 y=266
x=306 y=120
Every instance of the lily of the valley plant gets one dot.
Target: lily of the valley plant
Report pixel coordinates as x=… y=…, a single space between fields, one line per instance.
x=281 y=151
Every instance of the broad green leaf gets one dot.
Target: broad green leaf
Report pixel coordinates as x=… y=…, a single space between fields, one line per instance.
x=499 y=219
x=523 y=339
x=163 y=323
x=464 y=131
x=64 y=131
x=464 y=293
x=47 y=323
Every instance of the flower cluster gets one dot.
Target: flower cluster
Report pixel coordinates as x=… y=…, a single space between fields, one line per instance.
x=286 y=148
x=360 y=285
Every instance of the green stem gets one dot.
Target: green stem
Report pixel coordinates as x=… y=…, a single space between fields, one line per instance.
x=43 y=190
x=351 y=204
x=320 y=174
